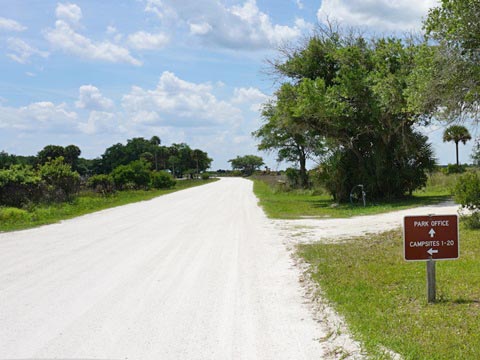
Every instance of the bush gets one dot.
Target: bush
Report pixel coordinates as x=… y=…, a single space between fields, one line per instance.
x=467 y=193
x=205 y=176
x=162 y=180
x=61 y=182
x=101 y=183
x=19 y=185
x=136 y=173
x=11 y=215
x=454 y=169
x=472 y=221
x=293 y=176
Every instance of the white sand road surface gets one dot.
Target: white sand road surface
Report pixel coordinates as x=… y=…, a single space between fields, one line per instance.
x=335 y=230
x=197 y=274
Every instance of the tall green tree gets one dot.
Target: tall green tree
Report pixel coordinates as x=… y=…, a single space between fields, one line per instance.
x=352 y=92
x=246 y=164
x=155 y=141
x=448 y=81
x=456 y=133
x=70 y=155
x=288 y=134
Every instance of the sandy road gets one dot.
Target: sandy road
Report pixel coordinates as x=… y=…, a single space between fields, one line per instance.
x=198 y=274
x=337 y=230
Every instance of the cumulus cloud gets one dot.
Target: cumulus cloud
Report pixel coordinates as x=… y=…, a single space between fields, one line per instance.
x=70 y=13
x=251 y=96
x=21 y=52
x=239 y=26
x=38 y=115
x=91 y=98
x=142 y=40
x=299 y=4
x=65 y=38
x=200 y=28
x=98 y=121
x=381 y=15
x=176 y=102
x=10 y=25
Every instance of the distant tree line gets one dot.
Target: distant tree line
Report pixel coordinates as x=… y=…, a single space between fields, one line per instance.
x=57 y=173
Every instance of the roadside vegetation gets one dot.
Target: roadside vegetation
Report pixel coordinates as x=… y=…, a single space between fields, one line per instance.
x=383 y=298
x=282 y=200
x=57 y=184
x=13 y=218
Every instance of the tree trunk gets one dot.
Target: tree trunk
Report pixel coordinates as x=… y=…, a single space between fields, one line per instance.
x=303 y=170
x=456 y=147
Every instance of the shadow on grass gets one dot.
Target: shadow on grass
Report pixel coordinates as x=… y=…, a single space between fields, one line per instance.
x=459 y=301
x=414 y=200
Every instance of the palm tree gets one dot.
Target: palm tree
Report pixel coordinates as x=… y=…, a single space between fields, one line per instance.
x=155 y=141
x=456 y=133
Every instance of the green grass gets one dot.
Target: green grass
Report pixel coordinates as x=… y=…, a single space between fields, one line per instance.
x=383 y=298
x=297 y=204
x=17 y=219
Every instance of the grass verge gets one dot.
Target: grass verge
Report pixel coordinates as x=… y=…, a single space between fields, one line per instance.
x=383 y=298
x=297 y=204
x=18 y=219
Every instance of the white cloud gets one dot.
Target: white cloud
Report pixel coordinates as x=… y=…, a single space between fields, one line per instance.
x=380 y=15
x=142 y=40
x=146 y=117
x=21 y=51
x=38 y=115
x=252 y=96
x=299 y=4
x=179 y=103
x=239 y=26
x=98 y=121
x=91 y=98
x=63 y=37
x=111 y=30
x=159 y=8
x=200 y=28
x=10 y=25
x=48 y=113
x=70 y=13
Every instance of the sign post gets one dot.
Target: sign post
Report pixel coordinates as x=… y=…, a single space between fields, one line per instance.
x=431 y=281
x=429 y=238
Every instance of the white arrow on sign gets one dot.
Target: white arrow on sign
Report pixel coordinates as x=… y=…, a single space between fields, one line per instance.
x=431 y=251
x=432 y=233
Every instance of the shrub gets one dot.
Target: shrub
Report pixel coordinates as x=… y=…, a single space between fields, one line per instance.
x=61 y=182
x=467 y=193
x=472 y=221
x=293 y=176
x=454 y=169
x=162 y=180
x=205 y=176
x=101 y=183
x=136 y=173
x=19 y=185
x=11 y=215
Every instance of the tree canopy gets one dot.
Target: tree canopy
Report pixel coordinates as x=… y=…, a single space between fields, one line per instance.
x=178 y=158
x=457 y=133
x=247 y=164
x=348 y=94
x=448 y=81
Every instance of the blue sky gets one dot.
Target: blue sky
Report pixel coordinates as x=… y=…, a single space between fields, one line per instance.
x=94 y=73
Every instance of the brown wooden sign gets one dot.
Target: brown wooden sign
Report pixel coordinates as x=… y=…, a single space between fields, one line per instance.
x=432 y=237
